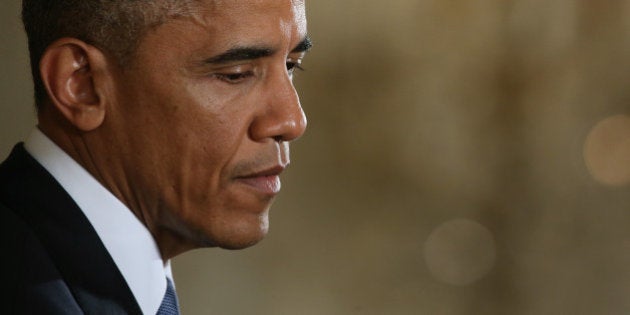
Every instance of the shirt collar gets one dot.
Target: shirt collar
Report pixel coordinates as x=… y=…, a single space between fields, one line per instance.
x=127 y=240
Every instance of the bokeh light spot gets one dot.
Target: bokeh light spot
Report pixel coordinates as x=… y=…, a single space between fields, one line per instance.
x=607 y=151
x=460 y=252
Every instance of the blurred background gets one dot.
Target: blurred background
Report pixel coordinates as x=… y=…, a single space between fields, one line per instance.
x=462 y=157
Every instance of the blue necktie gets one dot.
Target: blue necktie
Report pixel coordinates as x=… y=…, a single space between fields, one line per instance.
x=169 y=304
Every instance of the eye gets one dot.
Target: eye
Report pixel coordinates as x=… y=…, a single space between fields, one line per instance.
x=234 y=77
x=294 y=64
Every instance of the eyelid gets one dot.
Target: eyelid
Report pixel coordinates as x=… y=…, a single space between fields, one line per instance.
x=297 y=61
x=233 y=78
x=234 y=74
x=298 y=56
x=236 y=67
x=294 y=63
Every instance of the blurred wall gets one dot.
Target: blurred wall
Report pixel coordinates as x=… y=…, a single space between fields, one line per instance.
x=17 y=114
x=462 y=157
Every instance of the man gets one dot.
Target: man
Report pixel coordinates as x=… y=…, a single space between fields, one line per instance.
x=163 y=127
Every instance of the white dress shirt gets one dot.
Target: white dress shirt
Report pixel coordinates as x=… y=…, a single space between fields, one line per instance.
x=127 y=240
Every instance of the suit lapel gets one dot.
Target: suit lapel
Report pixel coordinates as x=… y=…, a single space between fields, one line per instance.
x=84 y=263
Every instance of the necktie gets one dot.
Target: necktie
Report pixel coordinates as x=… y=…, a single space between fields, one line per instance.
x=169 y=304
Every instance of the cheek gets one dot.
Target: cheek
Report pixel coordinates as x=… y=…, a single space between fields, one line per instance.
x=188 y=139
x=212 y=128
x=204 y=147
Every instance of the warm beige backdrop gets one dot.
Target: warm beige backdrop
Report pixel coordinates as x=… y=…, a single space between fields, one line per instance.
x=463 y=157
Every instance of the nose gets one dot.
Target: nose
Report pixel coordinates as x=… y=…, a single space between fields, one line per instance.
x=281 y=117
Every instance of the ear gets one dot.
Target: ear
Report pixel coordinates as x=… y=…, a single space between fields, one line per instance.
x=67 y=68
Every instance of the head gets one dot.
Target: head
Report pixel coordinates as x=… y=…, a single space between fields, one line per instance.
x=183 y=109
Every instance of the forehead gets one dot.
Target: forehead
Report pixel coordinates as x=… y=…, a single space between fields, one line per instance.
x=238 y=22
x=209 y=27
x=238 y=13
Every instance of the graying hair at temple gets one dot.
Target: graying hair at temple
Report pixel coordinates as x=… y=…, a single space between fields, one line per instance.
x=114 y=26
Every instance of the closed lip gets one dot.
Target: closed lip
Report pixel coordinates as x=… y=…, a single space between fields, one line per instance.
x=272 y=171
x=266 y=182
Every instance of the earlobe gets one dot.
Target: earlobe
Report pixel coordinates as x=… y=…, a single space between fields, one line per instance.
x=67 y=70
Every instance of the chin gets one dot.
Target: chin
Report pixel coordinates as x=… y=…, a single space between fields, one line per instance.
x=241 y=244
x=238 y=233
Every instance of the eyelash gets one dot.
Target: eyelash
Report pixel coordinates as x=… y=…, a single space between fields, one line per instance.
x=291 y=66
x=234 y=78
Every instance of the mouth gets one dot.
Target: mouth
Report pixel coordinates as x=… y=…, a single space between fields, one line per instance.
x=266 y=182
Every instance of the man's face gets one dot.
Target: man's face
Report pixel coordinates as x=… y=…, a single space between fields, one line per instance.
x=203 y=116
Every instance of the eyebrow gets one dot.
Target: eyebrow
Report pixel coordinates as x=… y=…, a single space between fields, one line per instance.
x=249 y=53
x=305 y=45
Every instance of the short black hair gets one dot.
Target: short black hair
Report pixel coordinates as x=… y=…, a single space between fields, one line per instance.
x=113 y=26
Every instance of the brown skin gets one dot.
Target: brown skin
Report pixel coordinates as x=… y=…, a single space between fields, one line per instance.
x=182 y=141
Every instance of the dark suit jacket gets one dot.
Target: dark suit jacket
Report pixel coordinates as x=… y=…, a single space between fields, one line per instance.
x=53 y=262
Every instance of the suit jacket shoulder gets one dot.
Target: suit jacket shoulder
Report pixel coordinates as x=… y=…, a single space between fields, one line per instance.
x=56 y=263
x=32 y=282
